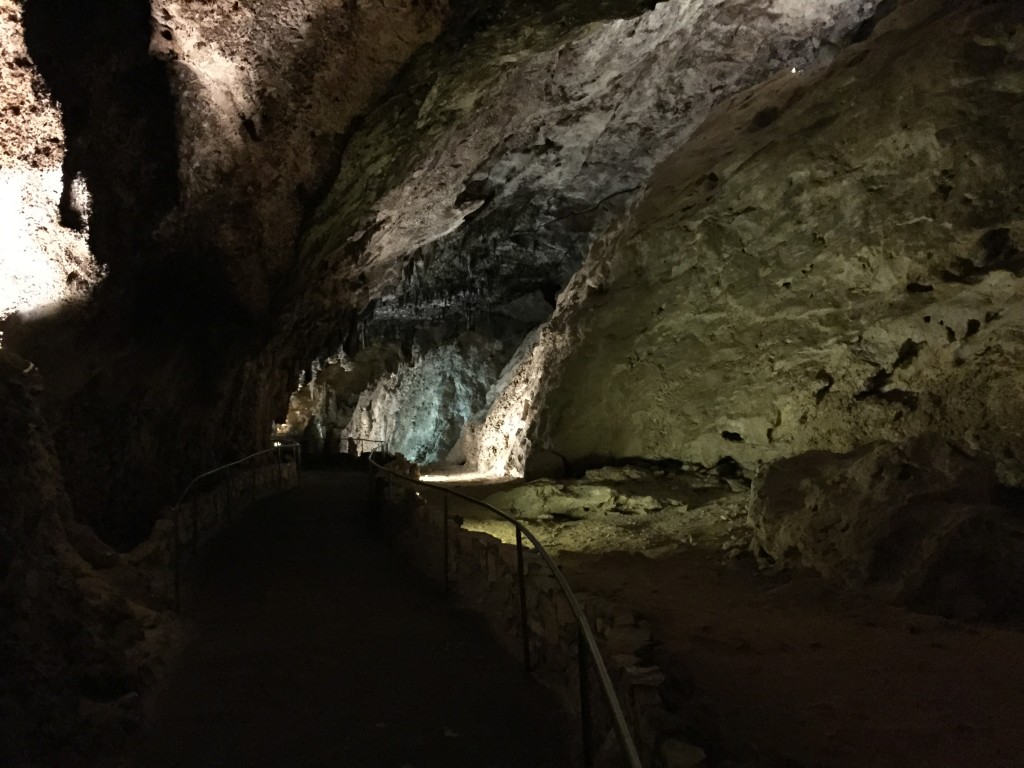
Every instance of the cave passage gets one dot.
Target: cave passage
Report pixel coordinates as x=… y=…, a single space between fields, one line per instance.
x=313 y=645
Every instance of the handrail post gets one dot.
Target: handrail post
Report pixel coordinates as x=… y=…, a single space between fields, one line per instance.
x=444 y=535
x=524 y=623
x=254 y=482
x=585 y=719
x=177 y=558
x=195 y=523
x=219 y=509
x=277 y=453
x=231 y=491
x=371 y=495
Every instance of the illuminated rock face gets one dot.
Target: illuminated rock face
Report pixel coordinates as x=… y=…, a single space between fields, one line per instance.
x=337 y=173
x=43 y=260
x=834 y=258
x=202 y=133
x=486 y=176
x=748 y=262
x=264 y=97
x=419 y=409
x=494 y=164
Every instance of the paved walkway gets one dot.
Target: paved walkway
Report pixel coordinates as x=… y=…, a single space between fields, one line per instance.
x=313 y=645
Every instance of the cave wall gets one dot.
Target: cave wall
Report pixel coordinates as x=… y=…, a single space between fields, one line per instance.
x=833 y=258
x=117 y=118
x=769 y=261
x=419 y=410
x=507 y=147
x=42 y=262
x=202 y=134
x=265 y=98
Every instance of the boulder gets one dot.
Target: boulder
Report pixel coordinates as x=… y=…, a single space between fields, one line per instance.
x=919 y=519
x=544 y=500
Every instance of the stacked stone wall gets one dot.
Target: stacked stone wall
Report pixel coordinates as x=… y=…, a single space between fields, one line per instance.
x=483 y=575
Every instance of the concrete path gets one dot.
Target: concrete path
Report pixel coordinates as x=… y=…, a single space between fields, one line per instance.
x=313 y=645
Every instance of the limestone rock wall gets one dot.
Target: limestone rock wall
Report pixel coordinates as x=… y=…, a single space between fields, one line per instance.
x=44 y=259
x=834 y=258
x=420 y=409
x=510 y=144
x=264 y=97
x=920 y=521
x=76 y=648
x=187 y=141
x=472 y=192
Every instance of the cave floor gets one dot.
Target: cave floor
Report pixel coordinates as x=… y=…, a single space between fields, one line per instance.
x=792 y=667
x=795 y=669
x=310 y=644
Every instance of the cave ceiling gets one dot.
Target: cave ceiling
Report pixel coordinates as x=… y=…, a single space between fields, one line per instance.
x=503 y=151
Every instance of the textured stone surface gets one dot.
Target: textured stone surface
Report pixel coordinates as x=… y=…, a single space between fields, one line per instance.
x=832 y=259
x=42 y=261
x=204 y=134
x=74 y=652
x=921 y=520
x=798 y=261
x=487 y=176
x=264 y=94
x=419 y=410
x=507 y=147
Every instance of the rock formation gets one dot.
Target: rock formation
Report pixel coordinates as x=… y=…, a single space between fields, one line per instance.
x=43 y=261
x=80 y=637
x=500 y=158
x=697 y=232
x=923 y=521
x=203 y=134
x=831 y=260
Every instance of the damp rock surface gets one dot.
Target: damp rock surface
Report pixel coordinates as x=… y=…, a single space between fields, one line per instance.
x=830 y=260
x=44 y=256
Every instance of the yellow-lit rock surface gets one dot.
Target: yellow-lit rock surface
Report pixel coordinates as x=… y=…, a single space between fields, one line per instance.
x=834 y=258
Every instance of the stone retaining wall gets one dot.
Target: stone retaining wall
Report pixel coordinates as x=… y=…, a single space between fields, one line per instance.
x=212 y=508
x=482 y=572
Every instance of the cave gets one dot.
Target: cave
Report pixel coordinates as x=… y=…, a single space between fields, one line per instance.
x=720 y=298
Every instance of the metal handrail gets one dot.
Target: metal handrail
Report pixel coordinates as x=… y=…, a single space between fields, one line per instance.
x=382 y=445
x=587 y=641
x=291 y=446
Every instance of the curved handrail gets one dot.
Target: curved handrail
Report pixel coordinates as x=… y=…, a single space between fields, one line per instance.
x=291 y=445
x=296 y=448
x=360 y=440
x=586 y=635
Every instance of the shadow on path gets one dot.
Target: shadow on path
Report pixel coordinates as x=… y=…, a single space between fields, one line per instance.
x=313 y=645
